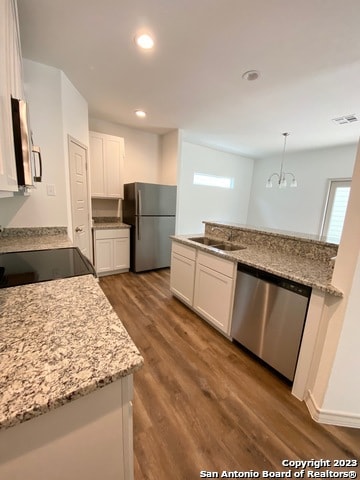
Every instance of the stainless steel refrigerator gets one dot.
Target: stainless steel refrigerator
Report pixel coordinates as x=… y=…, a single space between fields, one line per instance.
x=150 y=210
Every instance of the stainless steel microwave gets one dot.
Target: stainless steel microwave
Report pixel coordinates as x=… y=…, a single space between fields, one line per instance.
x=28 y=169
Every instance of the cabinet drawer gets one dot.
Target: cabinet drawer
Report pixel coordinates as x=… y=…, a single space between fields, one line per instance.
x=112 y=233
x=226 y=267
x=184 y=250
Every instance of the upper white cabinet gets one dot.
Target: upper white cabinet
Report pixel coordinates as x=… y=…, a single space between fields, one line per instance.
x=107 y=164
x=10 y=85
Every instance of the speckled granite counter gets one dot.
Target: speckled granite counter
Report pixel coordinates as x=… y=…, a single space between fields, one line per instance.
x=59 y=340
x=107 y=225
x=290 y=261
x=104 y=223
x=20 y=239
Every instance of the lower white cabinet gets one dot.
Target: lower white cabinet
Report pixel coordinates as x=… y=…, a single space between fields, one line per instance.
x=183 y=272
x=88 y=438
x=205 y=282
x=111 y=251
x=214 y=290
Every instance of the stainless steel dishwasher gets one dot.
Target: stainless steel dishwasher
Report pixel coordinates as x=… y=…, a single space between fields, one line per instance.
x=268 y=317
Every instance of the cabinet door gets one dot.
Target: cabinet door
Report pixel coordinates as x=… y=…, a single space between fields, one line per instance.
x=107 y=161
x=97 y=165
x=90 y=438
x=182 y=276
x=104 y=255
x=213 y=297
x=112 y=250
x=114 y=167
x=121 y=253
x=10 y=84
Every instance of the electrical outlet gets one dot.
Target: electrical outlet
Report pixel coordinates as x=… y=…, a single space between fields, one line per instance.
x=50 y=190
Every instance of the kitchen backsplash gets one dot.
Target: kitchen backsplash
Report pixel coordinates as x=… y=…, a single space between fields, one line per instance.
x=32 y=231
x=295 y=245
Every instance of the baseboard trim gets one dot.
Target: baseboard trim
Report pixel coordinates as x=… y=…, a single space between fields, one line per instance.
x=330 y=417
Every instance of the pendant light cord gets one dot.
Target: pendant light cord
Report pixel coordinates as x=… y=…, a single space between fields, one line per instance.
x=283 y=157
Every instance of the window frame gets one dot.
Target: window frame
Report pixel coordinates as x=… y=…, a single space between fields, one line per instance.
x=333 y=184
x=214 y=181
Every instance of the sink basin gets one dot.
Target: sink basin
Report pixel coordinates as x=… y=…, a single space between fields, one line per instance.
x=210 y=242
x=204 y=240
x=228 y=247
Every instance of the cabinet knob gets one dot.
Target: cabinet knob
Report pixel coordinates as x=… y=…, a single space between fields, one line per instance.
x=78 y=229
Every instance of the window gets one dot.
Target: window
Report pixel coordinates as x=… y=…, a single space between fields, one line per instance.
x=335 y=210
x=213 y=180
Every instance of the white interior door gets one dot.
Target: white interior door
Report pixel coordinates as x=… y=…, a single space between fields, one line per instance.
x=79 y=196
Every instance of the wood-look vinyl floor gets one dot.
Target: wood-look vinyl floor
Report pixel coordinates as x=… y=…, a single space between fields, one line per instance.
x=203 y=403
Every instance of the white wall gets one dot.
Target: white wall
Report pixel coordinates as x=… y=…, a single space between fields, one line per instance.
x=56 y=109
x=75 y=123
x=142 y=151
x=198 y=203
x=74 y=113
x=343 y=391
x=42 y=90
x=336 y=389
x=170 y=153
x=297 y=209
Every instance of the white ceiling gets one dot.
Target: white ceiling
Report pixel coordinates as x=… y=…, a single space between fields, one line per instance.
x=308 y=53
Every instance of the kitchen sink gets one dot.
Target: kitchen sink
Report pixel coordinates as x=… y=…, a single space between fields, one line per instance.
x=205 y=240
x=210 y=242
x=228 y=247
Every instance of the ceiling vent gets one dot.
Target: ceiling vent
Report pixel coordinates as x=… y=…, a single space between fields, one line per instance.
x=345 y=119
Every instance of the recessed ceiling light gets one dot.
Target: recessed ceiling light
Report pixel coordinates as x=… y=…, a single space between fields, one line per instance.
x=251 y=75
x=140 y=113
x=144 y=41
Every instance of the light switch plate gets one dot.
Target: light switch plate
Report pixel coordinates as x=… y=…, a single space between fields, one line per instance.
x=50 y=190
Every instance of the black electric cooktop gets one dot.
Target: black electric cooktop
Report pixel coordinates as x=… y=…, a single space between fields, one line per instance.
x=21 y=268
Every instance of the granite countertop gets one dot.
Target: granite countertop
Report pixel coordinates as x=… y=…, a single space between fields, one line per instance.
x=314 y=273
x=104 y=223
x=109 y=225
x=59 y=340
x=21 y=239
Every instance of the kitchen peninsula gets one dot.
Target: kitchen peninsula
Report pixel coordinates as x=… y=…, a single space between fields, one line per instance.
x=66 y=377
x=203 y=276
x=300 y=258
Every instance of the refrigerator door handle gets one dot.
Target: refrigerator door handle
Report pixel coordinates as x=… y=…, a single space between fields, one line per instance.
x=138 y=227
x=139 y=212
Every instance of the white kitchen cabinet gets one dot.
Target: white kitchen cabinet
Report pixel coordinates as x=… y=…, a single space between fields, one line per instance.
x=111 y=251
x=10 y=85
x=214 y=289
x=90 y=438
x=183 y=272
x=107 y=164
x=204 y=282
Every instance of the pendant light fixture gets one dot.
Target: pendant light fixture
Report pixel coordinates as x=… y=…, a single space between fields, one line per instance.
x=281 y=177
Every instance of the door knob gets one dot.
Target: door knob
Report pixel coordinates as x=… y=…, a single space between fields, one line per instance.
x=78 y=229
